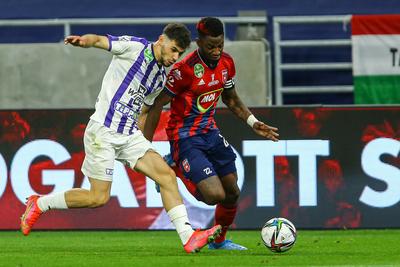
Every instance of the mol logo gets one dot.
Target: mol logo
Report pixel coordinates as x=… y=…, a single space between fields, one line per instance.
x=207 y=100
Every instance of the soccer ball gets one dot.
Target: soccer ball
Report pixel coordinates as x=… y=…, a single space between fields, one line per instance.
x=278 y=234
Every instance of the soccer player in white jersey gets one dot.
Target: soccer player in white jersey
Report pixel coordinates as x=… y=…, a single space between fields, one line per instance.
x=135 y=77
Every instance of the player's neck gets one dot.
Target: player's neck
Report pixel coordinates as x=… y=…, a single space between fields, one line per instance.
x=212 y=64
x=157 y=51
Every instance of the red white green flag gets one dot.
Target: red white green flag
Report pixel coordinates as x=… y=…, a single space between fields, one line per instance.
x=376 y=58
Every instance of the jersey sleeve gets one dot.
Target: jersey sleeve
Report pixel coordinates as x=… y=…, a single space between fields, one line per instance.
x=149 y=99
x=230 y=81
x=178 y=79
x=122 y=44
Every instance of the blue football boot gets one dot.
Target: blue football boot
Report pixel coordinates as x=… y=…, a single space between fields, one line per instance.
x=226 y=245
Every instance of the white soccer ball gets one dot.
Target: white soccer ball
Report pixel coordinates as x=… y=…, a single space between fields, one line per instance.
x=278 y=234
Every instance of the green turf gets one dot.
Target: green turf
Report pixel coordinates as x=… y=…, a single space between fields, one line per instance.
x=162 y=248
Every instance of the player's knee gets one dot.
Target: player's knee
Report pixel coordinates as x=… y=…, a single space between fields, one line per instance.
x=214 y=197
x=167 y=178
x=233 y=196
x=99 y=200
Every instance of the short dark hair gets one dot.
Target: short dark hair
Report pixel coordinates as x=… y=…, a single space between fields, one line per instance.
x=179 y=33
x=210 y=26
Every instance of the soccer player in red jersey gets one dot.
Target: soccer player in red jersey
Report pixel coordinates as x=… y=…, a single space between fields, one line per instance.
x=200 y=152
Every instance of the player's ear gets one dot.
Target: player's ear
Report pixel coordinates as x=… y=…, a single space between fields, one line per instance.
x=198 y=41
x=161 y=38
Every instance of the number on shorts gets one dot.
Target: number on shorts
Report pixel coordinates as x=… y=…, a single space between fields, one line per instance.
x=225 y=142
x=207 y=171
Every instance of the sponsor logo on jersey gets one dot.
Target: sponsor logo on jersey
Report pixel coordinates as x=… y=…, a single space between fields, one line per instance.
x=148 y=55
x=186 y=165
x=137 y=91
x=137 y=97
x=127 y=111
x=198 y=70
x=213 y=82
x=207 y=100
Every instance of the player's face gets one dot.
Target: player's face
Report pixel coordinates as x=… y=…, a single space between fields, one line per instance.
x=170 y=52
x=211 y=47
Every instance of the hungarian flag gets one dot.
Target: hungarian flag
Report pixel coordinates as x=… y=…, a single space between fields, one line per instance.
x=376 y=58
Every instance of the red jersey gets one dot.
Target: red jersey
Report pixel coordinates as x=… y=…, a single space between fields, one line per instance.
x=195 y=89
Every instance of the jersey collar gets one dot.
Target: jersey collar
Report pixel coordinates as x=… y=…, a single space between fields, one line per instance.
x=209 y=64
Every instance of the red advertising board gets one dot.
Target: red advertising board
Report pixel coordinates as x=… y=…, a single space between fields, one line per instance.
x=334 y=167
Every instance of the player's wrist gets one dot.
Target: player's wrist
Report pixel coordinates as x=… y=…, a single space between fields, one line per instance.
x=251 y=120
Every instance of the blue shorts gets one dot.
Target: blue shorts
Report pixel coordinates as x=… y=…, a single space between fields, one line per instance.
x=203 y=156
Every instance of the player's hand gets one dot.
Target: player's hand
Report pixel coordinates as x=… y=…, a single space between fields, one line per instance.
x=76 y=40
x=266 y=131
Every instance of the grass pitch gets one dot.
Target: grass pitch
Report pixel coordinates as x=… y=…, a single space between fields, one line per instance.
x=162 y=248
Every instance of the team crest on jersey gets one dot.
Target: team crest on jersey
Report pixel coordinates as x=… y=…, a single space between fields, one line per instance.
x=207 y=100
x=186 y=165
x=148 y=55
x=224 y=76
x=198 y=70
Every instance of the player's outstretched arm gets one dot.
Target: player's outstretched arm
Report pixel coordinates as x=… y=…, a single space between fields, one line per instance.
x=88 y=40
x=235 y=104
x=153 y=115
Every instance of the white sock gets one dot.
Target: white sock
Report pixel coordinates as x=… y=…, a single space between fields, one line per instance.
x=52 y=201
x=179 y=218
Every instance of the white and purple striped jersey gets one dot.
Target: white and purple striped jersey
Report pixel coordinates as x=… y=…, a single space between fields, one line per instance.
x=133 y=78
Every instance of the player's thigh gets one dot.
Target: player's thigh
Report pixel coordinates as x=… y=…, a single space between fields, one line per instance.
x=153 y=165
x=99 y=152
x=134 y=149
x=212 y=190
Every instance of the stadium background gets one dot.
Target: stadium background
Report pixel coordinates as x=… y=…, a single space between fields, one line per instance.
x=347 y=141
x=44 y=9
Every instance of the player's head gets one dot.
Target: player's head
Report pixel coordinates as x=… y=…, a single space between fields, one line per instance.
x=211 y=38
x=173 y=42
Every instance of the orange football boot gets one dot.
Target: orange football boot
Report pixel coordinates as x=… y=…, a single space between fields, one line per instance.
x=201 y=238
x=31 y=214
